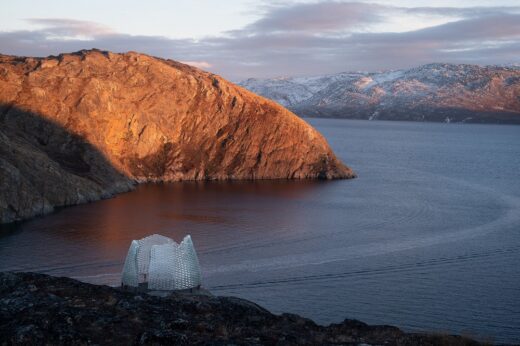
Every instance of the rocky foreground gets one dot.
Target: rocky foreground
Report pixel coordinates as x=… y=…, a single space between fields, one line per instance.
x=37 y=309
x=87 y=125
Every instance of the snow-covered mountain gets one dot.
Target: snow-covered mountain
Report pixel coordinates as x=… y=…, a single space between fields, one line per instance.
x=433 y=92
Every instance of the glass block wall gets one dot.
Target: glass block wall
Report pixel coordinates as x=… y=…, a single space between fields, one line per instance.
x=160 y=263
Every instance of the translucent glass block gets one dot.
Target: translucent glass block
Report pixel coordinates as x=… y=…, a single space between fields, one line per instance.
x=187 y=269
x=130 y=274
x=143 y=253
x=162 y=264
x=162 y=267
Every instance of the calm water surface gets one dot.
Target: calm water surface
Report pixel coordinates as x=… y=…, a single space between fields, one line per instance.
x=427 y=238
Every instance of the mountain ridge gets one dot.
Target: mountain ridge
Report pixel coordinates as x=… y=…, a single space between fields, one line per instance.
x=431 y=92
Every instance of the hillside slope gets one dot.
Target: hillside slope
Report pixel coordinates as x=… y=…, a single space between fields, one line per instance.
x=37 y=309
x=83 y=126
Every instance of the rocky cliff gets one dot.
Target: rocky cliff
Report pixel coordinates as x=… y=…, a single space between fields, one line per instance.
x=434 y=92
x=37 y=309
x=83 y=126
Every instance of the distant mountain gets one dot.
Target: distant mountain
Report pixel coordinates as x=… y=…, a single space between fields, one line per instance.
x=433 y=92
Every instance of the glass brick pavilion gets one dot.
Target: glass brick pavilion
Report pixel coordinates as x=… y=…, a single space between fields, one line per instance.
x=158 y=263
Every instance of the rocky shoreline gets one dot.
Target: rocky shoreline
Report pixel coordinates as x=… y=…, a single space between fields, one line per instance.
x=37 y=309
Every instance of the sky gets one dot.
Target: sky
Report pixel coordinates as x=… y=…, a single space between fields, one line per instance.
x=240 y=39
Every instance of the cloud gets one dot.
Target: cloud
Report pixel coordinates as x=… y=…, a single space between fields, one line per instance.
x=338 y=17
x=303 y=39
x=318 y=17
x=199 y=64
x=466 y=12
x=59 y=27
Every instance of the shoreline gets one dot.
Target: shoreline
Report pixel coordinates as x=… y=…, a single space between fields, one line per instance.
x=136 y=184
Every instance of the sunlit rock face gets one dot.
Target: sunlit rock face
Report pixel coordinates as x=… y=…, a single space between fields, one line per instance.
x=83 y=126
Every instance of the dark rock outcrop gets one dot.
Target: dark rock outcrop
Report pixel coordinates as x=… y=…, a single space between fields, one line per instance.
x=83 y=126
x=36 y=309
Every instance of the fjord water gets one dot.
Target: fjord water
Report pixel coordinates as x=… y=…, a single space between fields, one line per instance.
x=427 y=238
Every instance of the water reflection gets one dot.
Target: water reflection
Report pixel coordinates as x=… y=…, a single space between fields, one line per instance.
x=98 y=234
